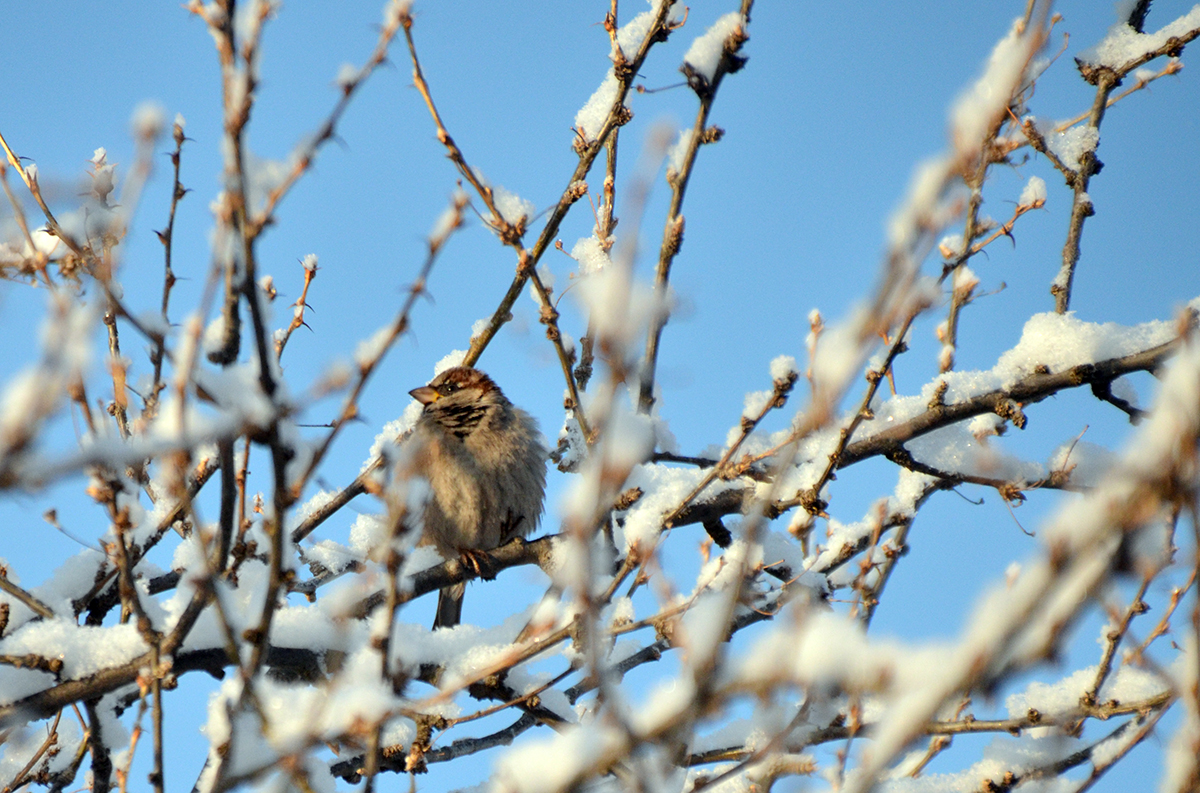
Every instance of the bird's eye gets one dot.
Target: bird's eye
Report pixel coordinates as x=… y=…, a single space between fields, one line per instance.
x=447 y=388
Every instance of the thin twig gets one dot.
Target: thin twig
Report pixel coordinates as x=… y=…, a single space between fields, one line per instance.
x=369 y=362
x=509 y=231
x=672 y=239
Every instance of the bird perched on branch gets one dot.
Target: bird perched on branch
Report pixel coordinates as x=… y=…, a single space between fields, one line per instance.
x=486 y=468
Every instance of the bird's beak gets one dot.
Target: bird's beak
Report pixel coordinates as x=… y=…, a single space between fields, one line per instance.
x=424 y=394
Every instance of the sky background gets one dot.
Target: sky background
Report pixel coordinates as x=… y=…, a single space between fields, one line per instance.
x=823 y=128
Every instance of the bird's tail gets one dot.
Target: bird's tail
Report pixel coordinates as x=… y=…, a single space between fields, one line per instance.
x=449 y=606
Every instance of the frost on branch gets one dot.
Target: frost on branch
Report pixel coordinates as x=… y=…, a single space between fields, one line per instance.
x=719 y=599
x=1034 y=193
x=629 y=38
x=1070 y=145
x=1124 y=45
x=704 y=55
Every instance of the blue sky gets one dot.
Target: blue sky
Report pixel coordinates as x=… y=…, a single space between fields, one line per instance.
x=823 y=128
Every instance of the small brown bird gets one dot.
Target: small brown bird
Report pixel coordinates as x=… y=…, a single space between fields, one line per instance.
x=486 y=468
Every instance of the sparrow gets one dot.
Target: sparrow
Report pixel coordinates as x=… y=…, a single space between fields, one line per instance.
x=486 y=467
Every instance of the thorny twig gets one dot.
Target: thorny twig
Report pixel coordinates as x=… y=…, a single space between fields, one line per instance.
x=370 y=358
x=706 y=91
x=752 y=606
x=511 y=231
x=1106 y=79
x=167 y=237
